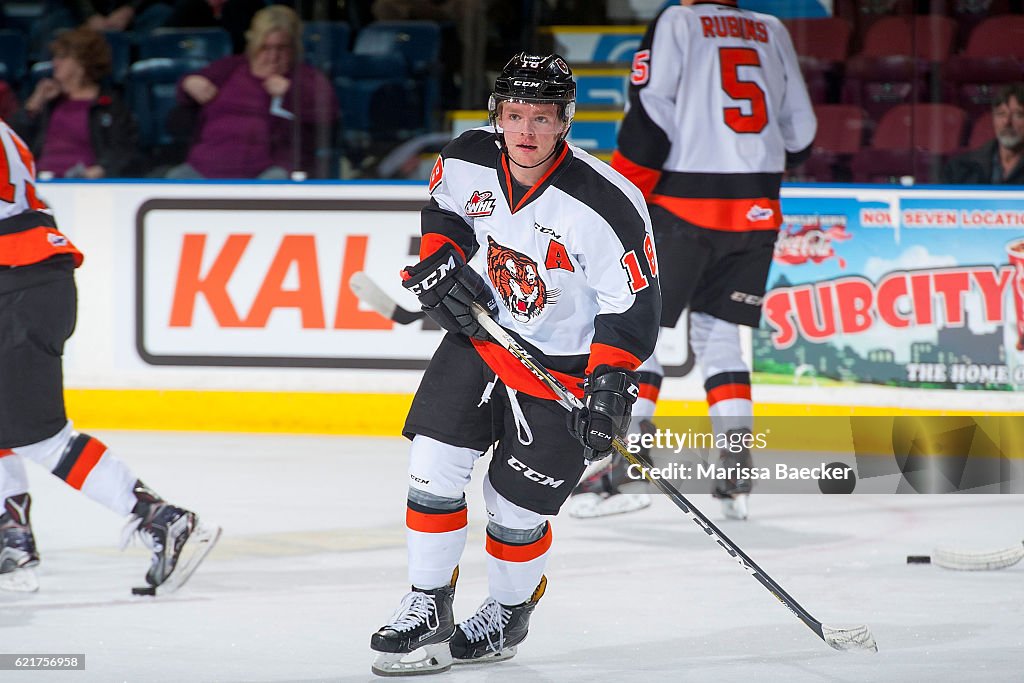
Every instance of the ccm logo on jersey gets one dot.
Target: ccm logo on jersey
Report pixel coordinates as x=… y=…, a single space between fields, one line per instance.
x=744 y=298
x=534 y=475
x=57 y=240
x=546 y=230
x=759 y=213
x=481 y=203
x=433 y=278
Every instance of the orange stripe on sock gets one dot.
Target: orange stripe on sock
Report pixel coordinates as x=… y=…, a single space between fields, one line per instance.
x=727 y=391
x=435 y=524
x=87 y=459
x=519 y=553
x=649 y=391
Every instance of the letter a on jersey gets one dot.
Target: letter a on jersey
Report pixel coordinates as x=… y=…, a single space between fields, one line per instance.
x=558 y=257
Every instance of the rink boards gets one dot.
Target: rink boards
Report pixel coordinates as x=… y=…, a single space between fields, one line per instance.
x=225 y=306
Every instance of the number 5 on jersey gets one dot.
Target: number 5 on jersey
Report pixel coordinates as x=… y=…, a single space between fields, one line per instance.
x=631 y=264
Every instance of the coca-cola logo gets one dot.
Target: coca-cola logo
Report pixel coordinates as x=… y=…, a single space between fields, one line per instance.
x=804 y=242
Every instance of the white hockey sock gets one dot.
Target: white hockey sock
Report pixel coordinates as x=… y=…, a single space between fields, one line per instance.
x=13 y=478
x=84 y=463
x=517 y=547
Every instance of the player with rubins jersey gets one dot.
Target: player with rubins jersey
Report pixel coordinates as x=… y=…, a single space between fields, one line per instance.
x=37 y=316
x=717 y=111
x=558 y=247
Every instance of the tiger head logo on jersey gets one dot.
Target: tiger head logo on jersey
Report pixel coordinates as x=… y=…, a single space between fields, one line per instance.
x=516 y=278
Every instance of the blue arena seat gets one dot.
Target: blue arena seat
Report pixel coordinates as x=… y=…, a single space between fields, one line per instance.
x=14 y=55
x=151 y=95
x=208 y=44
x=325 y=43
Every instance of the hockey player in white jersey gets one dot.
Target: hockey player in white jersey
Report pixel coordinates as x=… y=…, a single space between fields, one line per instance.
x=717 y=110
x=37 y=316
x=559 y=247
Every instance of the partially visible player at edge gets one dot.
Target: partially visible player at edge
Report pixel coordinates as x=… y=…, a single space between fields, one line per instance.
x=558 y=247
x=38 y=302
x=717 y=110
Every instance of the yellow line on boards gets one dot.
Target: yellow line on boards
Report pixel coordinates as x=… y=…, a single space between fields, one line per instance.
x=330 y=413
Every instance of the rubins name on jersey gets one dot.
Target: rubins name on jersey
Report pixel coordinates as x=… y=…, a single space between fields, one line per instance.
x=734 y=27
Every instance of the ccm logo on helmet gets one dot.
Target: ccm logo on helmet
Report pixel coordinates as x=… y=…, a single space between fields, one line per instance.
x=527 y=84
x=534 y=475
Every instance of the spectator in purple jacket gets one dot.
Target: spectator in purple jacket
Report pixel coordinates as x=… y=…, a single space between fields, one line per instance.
x=258 y=111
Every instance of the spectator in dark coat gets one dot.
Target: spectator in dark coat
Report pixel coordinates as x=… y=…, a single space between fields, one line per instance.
x=74 y=126
x=254 y=110
x=999 y=161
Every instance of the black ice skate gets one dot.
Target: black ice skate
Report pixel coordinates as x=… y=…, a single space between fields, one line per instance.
x=415 y=639
x=734 y=489
x=178 y=541
x=18 y=555
x=495 y=631
x=598 y=493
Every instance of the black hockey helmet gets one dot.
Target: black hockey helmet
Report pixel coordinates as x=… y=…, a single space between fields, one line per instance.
x=536 y=79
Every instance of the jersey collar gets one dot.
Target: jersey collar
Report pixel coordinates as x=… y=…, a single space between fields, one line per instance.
x=562 y=159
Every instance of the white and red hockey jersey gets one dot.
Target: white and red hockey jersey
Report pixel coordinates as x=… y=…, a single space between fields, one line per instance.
x=716 y=103
x=28 y=233
x=571 y=260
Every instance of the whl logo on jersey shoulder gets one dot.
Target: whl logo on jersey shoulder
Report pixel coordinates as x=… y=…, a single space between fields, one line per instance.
x=481 y=204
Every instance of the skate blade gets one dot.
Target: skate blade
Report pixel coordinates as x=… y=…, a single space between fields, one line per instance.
x=22 y=580
x=198 y=545
x=736 y=507
x=429 y=659
x=590 y=505
x=507 y=653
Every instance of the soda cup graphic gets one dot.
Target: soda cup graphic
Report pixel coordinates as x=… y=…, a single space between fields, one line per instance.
x=1015 y=250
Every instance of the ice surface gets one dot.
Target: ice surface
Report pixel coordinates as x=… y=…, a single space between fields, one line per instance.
x=313 y=560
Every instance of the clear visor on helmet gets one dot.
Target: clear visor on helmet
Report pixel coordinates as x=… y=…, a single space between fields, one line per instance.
x=519 y=116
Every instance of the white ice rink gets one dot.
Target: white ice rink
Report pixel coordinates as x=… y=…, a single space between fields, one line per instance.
x=313 y=560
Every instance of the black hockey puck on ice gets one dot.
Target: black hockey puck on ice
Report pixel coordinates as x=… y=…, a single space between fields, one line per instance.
x=919 y=559
x=841 y=478
x=144 y=590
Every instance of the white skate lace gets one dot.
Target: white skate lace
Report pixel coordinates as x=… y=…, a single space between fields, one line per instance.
x=133 y=530
x=489 y=618
x=415 y=608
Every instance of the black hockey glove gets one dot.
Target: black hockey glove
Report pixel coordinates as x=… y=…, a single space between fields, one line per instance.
x=447 y=290
x=608 y=397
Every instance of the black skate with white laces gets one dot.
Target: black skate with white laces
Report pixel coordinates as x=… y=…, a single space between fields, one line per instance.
x=415 y=639
x=178 y=541
x=495 y=631
x=734 y=489
x=18 y=554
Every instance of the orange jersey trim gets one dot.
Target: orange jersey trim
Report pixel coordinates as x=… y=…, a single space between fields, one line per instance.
x=519 y=553
x=34 y=245
x=86 y=461
x=728 y=391
x=603 y=354
x=543 y=179
x=5 y=451
x=731 y=215
x=644 y=178
x=515 y=375
x=435 y=523
x=432 y=241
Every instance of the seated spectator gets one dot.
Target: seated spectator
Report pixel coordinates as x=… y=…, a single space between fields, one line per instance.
x=8 y=101
x=74 y=126
x=247 y=112
x=1000 y=161
x=99 y=15
x=234 y=16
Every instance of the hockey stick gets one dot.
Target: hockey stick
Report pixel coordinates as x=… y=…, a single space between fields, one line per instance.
x=370 y=293
x=973 y=561
x=857 y=638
